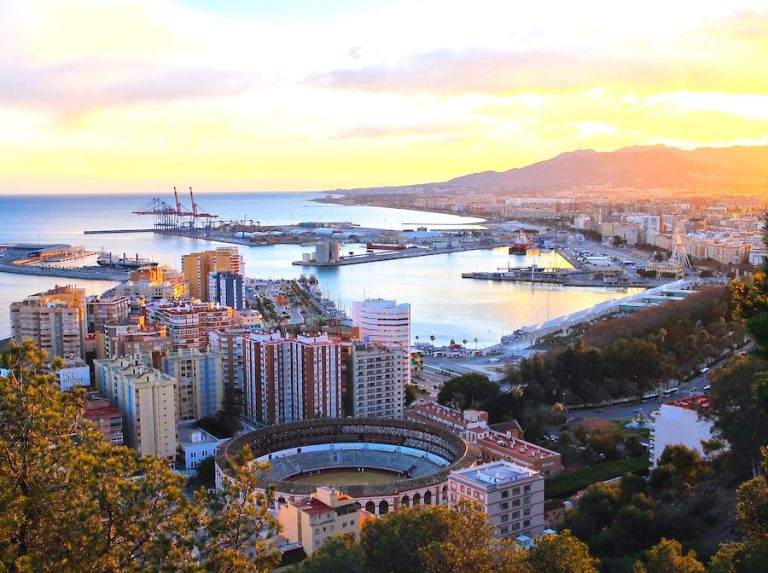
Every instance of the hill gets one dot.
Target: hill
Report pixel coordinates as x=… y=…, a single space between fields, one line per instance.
x=657 y=166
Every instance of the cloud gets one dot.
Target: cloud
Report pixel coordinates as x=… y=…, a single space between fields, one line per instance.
x=394 y=130
x=541 y=71
x=83 y=85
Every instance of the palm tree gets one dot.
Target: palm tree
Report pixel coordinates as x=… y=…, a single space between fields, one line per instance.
x=464 y=342
x=453 y=342
x=432 y=339
x=417 y=338
x=475 y=342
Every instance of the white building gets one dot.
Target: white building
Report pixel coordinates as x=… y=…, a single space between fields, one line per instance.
x=75 y=373
x=512 y=496
x=377 y=376
x=679 y=422
x=195 y=444
x=385 y=322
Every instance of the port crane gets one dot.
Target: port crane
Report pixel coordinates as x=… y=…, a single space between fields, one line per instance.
x=173 y=218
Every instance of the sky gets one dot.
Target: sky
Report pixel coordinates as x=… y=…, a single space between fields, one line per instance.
x=139 y=95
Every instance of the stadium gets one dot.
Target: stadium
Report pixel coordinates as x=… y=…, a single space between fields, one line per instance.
x=385 y=464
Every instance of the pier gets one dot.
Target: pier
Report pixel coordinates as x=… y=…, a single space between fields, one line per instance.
x=408 y=253
x=563 y=277
x=83 y=273
x=117 y=231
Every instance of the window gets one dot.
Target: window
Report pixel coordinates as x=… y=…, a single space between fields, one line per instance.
x=527 y=523
x=505 y=505
x=515 y=503
x=527 y=511
x=527 y=488
x=516 y=491
x=505 y=518
x=527 y=499
x=503 y=529
x=505 y=494
x=515 y=514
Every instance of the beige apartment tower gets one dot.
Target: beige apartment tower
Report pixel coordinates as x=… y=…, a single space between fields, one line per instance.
x=55 y=320
x=197 y=266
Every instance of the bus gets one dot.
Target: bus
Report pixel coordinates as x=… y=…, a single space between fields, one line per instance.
x=650 y=397
x=670 y=391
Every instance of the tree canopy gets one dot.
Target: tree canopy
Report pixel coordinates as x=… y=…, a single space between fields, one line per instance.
x=69 y=501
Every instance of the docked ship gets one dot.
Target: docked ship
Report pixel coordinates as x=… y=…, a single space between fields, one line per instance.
x=386 y=246
x=521 y=244
x=106 y=259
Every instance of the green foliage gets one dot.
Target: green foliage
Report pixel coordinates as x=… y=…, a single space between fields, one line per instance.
x=751 y=554
x=70 y=502
x=629 y=356
x=569 y=483
x=228 y=416
x=738 y=418
x=561 y=553
x=411 y=393
x=668 y=557
x=467 y=391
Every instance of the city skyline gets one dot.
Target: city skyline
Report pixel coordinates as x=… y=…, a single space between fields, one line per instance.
x=126 y=96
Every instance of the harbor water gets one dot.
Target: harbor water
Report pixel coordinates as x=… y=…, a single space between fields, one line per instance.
x=443 y=304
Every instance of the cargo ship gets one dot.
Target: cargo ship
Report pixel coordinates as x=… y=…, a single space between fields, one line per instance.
x=521 y=244
x=386 y=246
x=106 y=259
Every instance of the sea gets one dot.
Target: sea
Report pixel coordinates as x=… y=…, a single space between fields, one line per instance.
x=443 y=304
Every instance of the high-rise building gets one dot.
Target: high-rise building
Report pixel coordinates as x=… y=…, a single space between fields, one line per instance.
x=385 y=322
x=101 y=310
x=55 y=320
x=229 y=342
x=197 y=266
x=511 y=495
x=199 y=385
x=189 y=322
x=289 y=379
x=377 y=380
x=227 y=289
x=147 y=399
x=133 y=339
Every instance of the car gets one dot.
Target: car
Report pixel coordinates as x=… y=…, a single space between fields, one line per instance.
x=704 y=370
x=706 y=388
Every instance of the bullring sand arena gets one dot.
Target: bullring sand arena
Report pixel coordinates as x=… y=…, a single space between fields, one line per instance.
x=385 y=464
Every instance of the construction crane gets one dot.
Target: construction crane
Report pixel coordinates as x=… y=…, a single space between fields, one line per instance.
x=171 y=218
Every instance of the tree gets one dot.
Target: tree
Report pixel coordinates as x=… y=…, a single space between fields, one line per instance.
x=751 y=554
x=340 y=554
x=238 y=521
x=561 y=553
x=738 y=418
x=467 y=391
x=68 y=500
x=667 y=557
x=228 y=416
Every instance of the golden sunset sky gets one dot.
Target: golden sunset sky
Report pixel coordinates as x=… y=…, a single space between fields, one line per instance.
x=140 y=95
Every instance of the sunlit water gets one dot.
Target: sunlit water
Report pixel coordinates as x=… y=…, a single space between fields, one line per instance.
x=442 y=303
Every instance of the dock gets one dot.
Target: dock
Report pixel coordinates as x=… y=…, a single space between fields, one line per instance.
x=563 y=277
x=408 y=253
x=117 y=231
x=82 y=273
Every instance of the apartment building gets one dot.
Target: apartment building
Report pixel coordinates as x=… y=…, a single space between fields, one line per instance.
x=133 y=339
x=199 y=382
x=385 y=322
x=55 y=320
x=105 y=309
x=189 y=322
x=325 y=514
x=107 y=419
x=147 y=399
x=197 y=266
x=377 y=380
x=227 y=289
x=291 y=378
x=511 y=495
x=494 y=444
x=229 y=342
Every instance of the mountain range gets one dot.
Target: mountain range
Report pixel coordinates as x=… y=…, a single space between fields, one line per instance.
x=654 y=166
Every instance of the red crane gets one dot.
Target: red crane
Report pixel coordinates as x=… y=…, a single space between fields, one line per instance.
x=171 y=218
